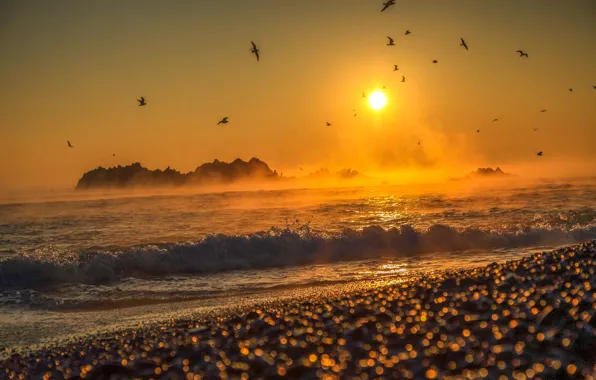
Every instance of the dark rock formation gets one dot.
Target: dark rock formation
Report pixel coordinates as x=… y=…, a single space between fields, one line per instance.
x=214 y=172
x=488 y=172
x=482 y=173
x=223 y=172
x=342 y=174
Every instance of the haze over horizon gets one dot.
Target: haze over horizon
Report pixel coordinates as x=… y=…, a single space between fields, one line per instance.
x=73 y=71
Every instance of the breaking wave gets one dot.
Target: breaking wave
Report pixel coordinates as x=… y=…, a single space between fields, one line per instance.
x=269 y=249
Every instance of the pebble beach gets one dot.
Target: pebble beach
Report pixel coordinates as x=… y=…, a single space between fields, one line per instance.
x=527 y=319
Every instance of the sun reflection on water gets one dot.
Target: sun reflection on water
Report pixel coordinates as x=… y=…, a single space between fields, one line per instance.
x=386 y=270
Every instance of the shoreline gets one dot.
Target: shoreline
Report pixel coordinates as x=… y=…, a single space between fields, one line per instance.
x=534 y=316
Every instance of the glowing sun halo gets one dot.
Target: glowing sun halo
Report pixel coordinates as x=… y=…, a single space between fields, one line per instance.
x=377 y=100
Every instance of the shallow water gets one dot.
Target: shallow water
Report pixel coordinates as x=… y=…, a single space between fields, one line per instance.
x=113 y=253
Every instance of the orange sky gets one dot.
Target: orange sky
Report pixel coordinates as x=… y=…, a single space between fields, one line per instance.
x=73 y=69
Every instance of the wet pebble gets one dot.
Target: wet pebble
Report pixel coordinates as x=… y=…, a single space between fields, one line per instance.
x=530 y=318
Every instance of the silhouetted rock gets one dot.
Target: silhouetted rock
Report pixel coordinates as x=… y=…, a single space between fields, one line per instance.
x=484 y=173
x=347 y=174
x=136 y=175
x=223 y=172
x=324 y=173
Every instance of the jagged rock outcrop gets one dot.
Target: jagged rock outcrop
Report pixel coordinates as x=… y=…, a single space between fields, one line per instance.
x=230 y=172
x=136 y=175
x=216 y=172
x=488 y=173
x=482 y=173
x=324 y=173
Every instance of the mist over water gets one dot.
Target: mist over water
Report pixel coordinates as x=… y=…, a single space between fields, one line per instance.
x=127 y=221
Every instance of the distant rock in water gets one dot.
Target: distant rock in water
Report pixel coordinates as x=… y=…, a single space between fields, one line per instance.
x=223 y=172
x=482 y=173
x=488 y=172
x=215 y=172
x=343 y=174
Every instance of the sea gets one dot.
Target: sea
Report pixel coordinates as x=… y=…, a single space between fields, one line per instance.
x=74 y=266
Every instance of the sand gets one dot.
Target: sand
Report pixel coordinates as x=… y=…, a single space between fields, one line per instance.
x=530 y=318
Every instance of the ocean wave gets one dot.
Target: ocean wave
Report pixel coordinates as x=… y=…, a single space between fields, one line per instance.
x=268 y=249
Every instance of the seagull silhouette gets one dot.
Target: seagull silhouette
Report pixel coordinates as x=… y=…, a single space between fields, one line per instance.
x=463 y=43
x=435 y=61
x=539 y=154
x=391 y=43
x=355 y=114
x=478 y=130
x=395 y=68
x=594 y=87
x=418 y=143
x=543 y=110
x=113 y=154
x=363 y=95
x=407 y=32
x=142 y=101
x=223 y=121
x=328 y=124
x=403 y=79
x=255 y=50
x=535 y=129
x=301 y=168
x=388 y=4
x=570 y=90
x=69 y=144
x=384 y=87
x=522 y=54
x=495 y=120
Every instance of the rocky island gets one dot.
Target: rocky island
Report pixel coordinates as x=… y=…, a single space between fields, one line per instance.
x=136 y=175
x=216 y=172
x=484 y=173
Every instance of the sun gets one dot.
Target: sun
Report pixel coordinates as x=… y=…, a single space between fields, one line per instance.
x=377 y=100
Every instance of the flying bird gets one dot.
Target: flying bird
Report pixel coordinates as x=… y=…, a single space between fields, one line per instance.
x=570 y=90
x=542 y=110
x=495 y=120
x=328 y=124
x=522 y=54
x=142 y=101
x=363 y=95
x=255 y=50
x=535 y=129
x=355 y=114
x=223 y=121
x=403 y=79
x=69 y=144
x=418 y=143
x=384 y=87
x=539 y=154
x=478 y=130
x=391 y=43
x=388 y=4
x=435 y=61
x=408 y=32
x=463 y=43
x=395 y=68
x=114 y=155
x=594 y=87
